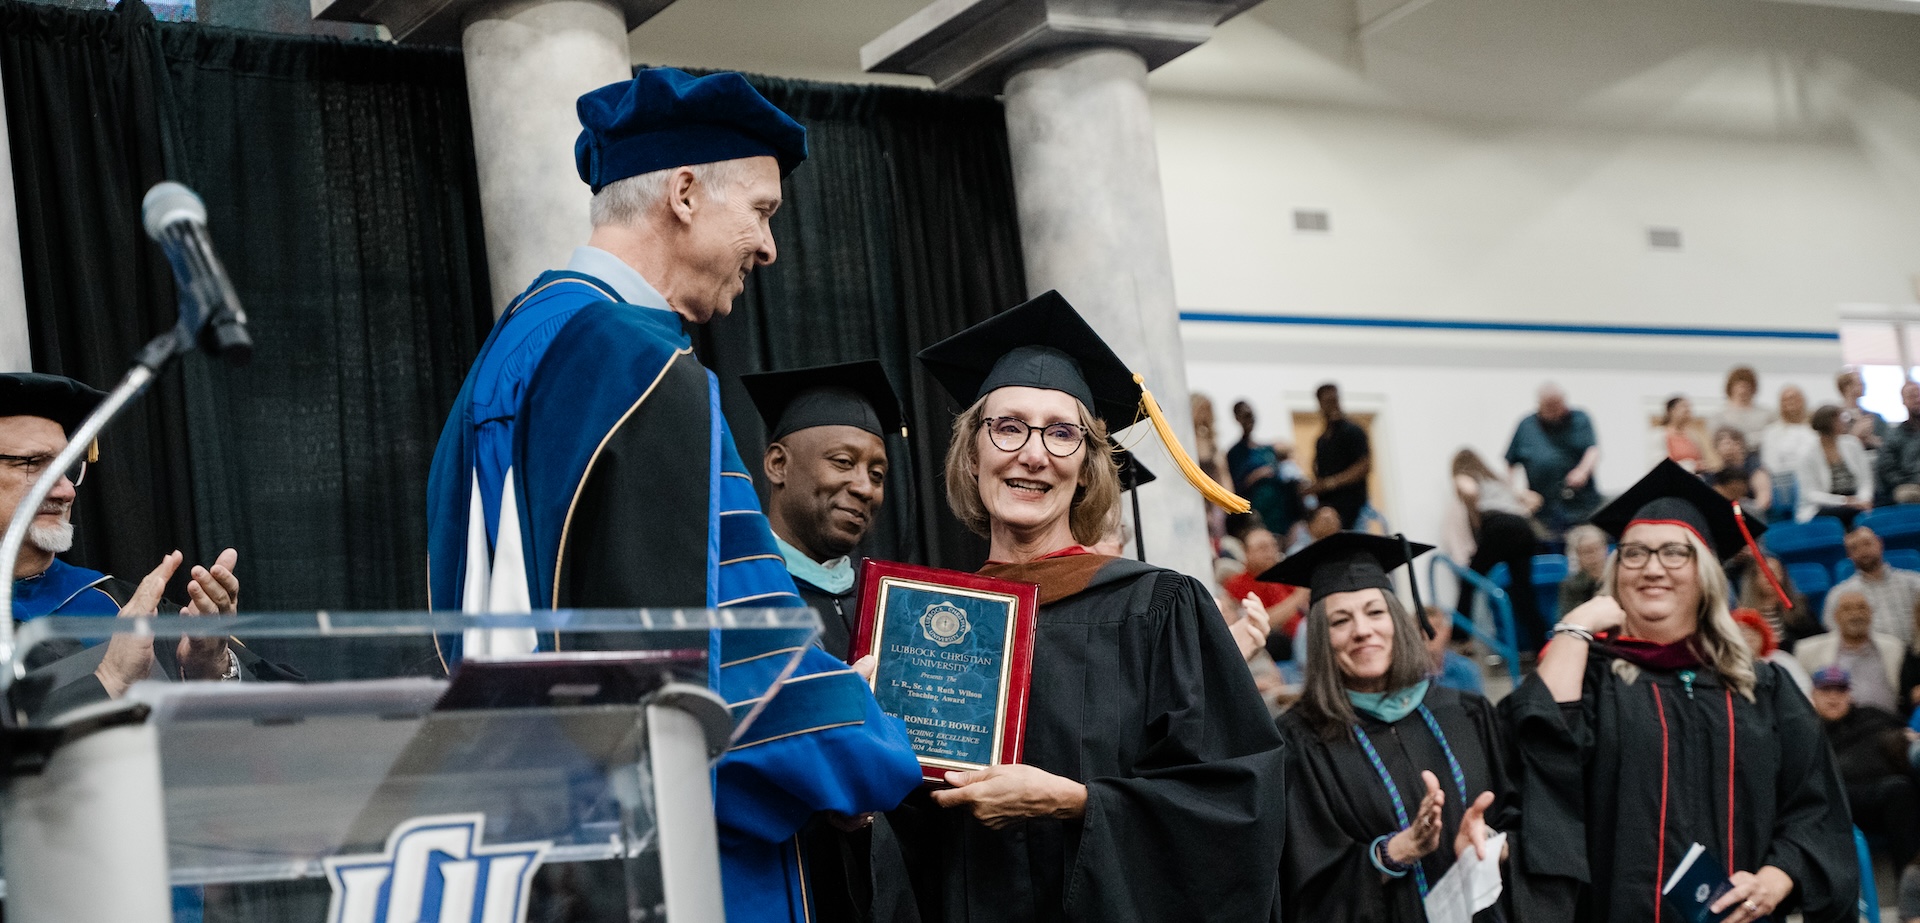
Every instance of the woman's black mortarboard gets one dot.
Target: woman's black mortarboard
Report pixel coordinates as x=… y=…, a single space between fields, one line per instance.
x=1670 y=495
x=1045 y=343
x=1344 y=562
x=52 y=397
x=855 y=394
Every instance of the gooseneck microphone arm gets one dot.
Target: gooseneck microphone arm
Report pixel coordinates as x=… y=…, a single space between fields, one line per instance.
x=210 y=318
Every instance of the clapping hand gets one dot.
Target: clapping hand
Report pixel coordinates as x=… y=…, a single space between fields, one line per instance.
x=1473 y=828
x=1251 y=629
x=210 y=591
x=1422 y=836
x=129 y=658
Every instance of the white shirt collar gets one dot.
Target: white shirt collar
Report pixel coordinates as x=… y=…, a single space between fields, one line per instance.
x=626 y=281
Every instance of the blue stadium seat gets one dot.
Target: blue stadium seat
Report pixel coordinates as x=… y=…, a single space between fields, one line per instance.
x=1820 y=540
x=1903 y=558
x=1548 y=571
x=1898 y=526
x=1844 y=568
x=1813 y=582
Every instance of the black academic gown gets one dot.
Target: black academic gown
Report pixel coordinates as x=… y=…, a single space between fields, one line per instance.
x=1336 y=806
x=1138 y=692
x=1590 y=774
x=838 y=613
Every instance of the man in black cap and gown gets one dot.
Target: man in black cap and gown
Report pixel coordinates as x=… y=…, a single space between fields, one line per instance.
x=1649 y=727
x=826 y=465
x=586 y=462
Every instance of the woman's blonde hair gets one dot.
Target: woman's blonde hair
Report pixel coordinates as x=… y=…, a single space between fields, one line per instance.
x=1093 y=501
x=1716 y=636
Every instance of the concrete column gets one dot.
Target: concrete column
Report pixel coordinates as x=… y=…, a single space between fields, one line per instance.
x=528 y=62
x=1093 y=225
x=1087 y=179
x=14 y=355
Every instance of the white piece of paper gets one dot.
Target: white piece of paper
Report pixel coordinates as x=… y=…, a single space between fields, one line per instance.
x=1472 y=885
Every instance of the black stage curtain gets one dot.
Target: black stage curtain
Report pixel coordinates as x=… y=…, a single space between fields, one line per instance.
x=898 y=230
x=341 y=193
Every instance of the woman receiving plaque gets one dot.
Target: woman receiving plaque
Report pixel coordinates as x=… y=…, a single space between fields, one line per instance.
x=1150 y=786
x=1392 y=777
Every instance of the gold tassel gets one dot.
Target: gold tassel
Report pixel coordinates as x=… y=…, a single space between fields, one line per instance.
x=1209 y=488
x=93 y=451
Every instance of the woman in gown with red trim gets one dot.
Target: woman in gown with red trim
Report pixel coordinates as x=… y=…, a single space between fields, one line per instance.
x=1649 y=727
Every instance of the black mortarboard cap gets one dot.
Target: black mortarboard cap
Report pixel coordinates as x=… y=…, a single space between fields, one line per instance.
x=1344 y=562
x=1132 y=473
x=1669 y=494
x=62 y=400
x=854 y=394
x=1043 y=343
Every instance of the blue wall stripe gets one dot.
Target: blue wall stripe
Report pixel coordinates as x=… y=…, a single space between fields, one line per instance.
x=1403 y=323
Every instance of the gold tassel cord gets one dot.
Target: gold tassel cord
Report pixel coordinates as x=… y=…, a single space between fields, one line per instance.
x=1209 y=488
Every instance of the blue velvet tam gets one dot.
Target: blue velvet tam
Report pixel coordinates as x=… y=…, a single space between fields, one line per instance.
x=665 y=118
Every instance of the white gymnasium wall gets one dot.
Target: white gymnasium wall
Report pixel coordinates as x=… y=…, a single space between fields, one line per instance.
x=1511 y=175
x=1427 y=412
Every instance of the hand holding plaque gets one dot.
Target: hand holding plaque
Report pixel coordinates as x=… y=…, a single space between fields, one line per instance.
x=954 y=658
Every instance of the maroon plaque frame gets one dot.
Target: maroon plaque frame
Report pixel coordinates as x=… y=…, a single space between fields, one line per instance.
x=1015 y=683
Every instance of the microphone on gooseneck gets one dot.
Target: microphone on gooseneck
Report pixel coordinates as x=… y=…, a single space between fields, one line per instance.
x=210 y=312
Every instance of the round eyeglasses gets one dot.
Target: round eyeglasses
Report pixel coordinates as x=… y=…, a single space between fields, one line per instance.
x=32 y=465
x=1674 y=554
x=1011 y=434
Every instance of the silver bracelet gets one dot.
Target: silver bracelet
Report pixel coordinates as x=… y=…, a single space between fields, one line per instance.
x=1568 y=628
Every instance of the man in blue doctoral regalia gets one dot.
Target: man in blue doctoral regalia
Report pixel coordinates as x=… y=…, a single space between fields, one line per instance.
x=586 y=462
x=38 y=413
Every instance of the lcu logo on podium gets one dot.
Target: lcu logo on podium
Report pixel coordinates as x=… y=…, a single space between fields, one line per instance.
x=435 y=869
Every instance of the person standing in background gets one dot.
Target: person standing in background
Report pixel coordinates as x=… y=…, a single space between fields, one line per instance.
x=1557 y=449
x=1678 y=440
x=1342 y=459
x=1501 y=519
x=1586 y=565
x=1740 y=412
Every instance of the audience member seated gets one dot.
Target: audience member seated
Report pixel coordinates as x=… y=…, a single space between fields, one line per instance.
x=1787 y=441
x=1586 y=565
x=1870 y=747
x=1322 y=523
x=1556 y=448
x=1870 y=658
x=1865 y=425
x=1502 y=524
x=1677 y=437
x=1790 y=626
x=1740 y=412
x=1731 y=447
x=1893 y=593
x=1897 y=467
x=1281 y=603
x=1451 y=668
x=1759 y=635
x=1835 y=479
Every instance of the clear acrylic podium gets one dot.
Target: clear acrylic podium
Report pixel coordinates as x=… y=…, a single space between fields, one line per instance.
x=379 y=776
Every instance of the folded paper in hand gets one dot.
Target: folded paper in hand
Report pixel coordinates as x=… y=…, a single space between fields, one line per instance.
x=1472 y=885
